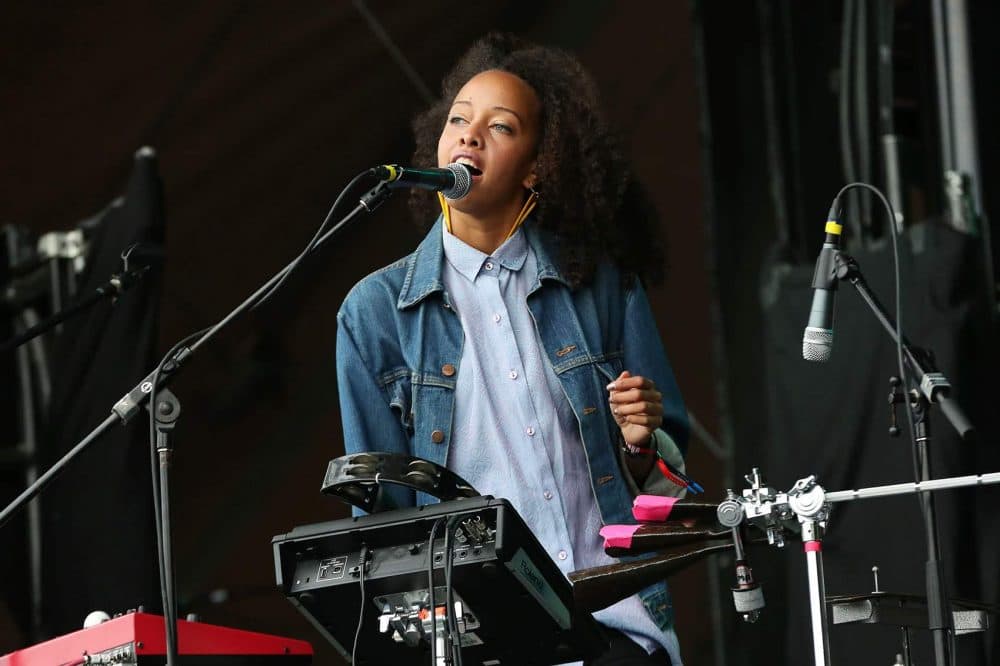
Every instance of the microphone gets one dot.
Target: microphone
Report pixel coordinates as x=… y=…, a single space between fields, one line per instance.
x=453 y=181
x=817 y=340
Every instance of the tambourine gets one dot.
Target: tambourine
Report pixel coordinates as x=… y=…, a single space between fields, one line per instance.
x=359 y=479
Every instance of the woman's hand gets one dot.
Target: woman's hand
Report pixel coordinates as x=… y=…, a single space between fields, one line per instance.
x=637 y=407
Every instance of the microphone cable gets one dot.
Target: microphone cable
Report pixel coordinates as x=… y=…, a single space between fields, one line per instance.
x=361 y=614
x=167 y=365
x=315 y=239
x=454 y=636
x=430 y=588
x=894 y=233
x=169 y=612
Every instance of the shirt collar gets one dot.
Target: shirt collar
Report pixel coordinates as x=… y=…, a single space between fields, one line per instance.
x=424 y=266
x=468 y=261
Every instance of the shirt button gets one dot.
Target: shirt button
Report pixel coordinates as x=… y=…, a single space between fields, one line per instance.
x=530 y=431
x=437 y=436
x=562 y=555
x=488 y=266
x=447 y=370
x=496 y=318
x=513 y=374
x=547 y=495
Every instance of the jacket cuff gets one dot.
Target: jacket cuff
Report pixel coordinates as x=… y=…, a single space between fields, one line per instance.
x=656 y=483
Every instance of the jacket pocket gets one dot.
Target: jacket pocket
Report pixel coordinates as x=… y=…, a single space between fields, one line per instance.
x=609 y=366
x=397 y=386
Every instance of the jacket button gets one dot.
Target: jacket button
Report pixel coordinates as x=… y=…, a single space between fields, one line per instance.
x=437 y=436
x=447 y=370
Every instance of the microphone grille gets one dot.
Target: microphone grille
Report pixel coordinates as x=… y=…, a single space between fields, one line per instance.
x=817 y=344
x=463 y=181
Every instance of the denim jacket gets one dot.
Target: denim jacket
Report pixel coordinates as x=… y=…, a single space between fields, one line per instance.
x=399 y=344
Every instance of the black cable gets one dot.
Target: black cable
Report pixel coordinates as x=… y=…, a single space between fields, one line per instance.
x=897 y=289
x=361 y=614
x=169 y=612
x=454 y=635
x=448 y=612
x=176 y=355
x=430 y=588
x=312 y=242
x=943 y=649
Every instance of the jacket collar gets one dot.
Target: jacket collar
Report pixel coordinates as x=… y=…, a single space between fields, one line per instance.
x=424 y=265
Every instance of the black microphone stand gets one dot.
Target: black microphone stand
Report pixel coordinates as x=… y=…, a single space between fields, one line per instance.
x=166 y=410
x=934 y=388
x=112 y=289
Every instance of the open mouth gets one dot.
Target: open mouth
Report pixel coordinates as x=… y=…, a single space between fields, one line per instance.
x=468 y=162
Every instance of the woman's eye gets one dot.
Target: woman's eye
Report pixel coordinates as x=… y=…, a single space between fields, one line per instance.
x=456 y=120
x=500 y=127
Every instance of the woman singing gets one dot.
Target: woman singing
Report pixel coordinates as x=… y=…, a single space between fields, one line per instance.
x=516 y=345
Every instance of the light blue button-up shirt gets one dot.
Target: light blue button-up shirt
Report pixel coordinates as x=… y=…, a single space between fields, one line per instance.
x=514 y=432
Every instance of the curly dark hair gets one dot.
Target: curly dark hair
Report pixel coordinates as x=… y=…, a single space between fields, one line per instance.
x=587 y=196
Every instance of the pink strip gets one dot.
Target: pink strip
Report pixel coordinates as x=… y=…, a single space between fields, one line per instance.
x=652 y=508
x=618 y=536
x=813 y=546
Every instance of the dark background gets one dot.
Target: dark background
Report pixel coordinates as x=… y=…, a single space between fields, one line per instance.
x=261 y=111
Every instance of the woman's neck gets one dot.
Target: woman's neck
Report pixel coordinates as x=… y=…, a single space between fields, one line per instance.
x=484 y=232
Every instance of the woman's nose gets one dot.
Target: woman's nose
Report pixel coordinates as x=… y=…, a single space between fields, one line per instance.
x=470 y=137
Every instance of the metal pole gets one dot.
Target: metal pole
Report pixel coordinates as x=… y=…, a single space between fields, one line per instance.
x=813 y=547
x=941 y=70
x=29 y=448
x=910 y=488
x=964 y=130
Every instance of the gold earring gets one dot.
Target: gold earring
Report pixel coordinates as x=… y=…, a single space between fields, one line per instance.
x=529 y=205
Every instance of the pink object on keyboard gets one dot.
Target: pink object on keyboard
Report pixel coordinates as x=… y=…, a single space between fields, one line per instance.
x=618 y=536
x=652 y=508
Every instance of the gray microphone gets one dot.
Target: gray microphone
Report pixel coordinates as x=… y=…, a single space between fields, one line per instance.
x=817 y=340
x=453 y=181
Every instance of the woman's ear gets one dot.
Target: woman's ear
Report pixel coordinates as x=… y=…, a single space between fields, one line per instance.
x=532 y=179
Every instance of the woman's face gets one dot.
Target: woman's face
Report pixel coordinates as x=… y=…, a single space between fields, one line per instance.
x=493 y=126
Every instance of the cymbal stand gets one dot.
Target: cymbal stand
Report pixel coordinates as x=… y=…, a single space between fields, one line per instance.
x=806 y=508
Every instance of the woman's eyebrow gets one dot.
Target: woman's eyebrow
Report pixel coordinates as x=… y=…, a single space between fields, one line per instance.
x=510 y=111
x=495 y=108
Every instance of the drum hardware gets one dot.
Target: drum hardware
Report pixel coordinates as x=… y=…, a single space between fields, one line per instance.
x=808 y=504
x=906 y=611
x=748 y=597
